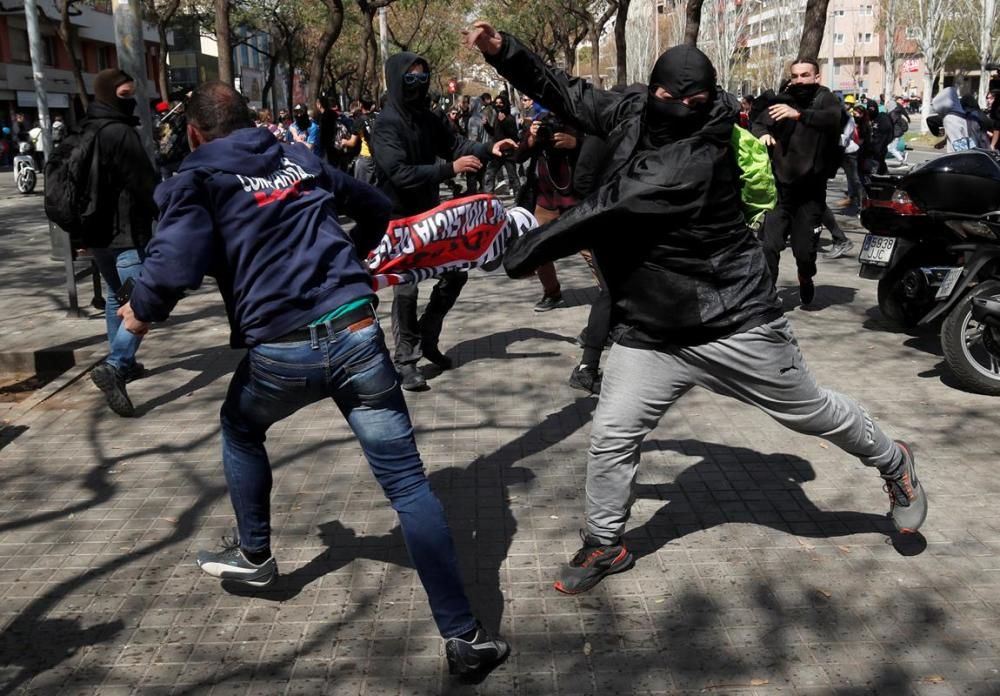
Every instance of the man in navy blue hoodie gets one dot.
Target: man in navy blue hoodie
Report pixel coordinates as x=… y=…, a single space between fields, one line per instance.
x=261 y=218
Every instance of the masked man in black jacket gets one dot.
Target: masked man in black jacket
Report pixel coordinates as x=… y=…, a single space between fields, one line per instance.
x=125 y=192
x=802 y=126
x=693 y=302
x=407 y=141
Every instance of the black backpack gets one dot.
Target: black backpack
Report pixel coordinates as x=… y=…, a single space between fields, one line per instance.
x=72 y=186
x=900 y=124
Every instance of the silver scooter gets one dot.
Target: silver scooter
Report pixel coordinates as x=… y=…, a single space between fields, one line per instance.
x=25 y=174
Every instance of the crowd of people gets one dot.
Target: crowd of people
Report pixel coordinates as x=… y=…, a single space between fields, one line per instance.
x=680 y=214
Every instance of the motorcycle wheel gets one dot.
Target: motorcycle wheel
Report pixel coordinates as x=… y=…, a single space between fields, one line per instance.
x=971 y=354
x=894 y=304
x=26 y=181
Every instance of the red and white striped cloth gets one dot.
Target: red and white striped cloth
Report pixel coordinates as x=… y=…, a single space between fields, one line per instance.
x=455 y=236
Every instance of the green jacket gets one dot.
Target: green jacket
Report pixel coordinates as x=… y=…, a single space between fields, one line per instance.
x=759 y=193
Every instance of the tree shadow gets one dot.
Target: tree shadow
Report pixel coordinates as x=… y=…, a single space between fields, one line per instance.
x=211 y=365
x=736 y=484
x=9 y=433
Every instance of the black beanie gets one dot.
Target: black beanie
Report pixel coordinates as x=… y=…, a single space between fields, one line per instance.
x=106 y=82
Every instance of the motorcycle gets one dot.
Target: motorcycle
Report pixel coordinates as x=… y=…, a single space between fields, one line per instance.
x=25 y=174
x=933 y=244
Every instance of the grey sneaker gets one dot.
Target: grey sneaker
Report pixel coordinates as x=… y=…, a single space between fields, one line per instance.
x=907 y=500
x=231 y=564
x=592 y=563
x=478 y=656
x=112 y=383
x=839 y=249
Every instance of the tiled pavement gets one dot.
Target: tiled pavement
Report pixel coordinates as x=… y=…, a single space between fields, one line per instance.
x=765 y=564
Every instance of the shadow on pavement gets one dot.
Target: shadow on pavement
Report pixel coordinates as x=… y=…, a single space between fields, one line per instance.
x=735 y=484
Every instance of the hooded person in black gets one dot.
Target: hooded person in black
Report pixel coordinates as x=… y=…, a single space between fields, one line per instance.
x=407 y=141
x=126 y=179
x=802 y=126
x=692 y=299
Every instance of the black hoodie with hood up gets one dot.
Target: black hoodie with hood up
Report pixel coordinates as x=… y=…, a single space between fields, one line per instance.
x=665 y=223
x=407 y=142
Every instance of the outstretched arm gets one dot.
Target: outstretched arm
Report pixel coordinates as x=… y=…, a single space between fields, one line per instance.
x=576 y=100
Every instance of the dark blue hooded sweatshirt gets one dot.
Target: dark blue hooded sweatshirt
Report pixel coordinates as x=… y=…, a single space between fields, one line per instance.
x=261 y=218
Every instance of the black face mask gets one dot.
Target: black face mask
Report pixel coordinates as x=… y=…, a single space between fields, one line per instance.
x=415 y=95
x=302 y=121
x=126 y=105
x=668 y=121
x=803 y=94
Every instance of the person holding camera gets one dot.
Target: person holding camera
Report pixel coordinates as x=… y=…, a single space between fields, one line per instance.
x=550 y=149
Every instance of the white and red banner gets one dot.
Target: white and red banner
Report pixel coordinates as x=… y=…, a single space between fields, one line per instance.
x=458 y=235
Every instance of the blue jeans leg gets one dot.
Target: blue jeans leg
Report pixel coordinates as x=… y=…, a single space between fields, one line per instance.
x=116 y=266
x=372 y=401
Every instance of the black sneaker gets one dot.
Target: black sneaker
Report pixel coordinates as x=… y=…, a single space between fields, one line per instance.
x=549 y=302
x=231 y=564
x=434 y=355
x=476 y=657
x=807 y=290
x=411 y=379
x=591 y=563
x=137 y=371
x=907 y=500
x=586 y=378
x=112 y=383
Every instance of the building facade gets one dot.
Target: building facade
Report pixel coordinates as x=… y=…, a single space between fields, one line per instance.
x=95 y=44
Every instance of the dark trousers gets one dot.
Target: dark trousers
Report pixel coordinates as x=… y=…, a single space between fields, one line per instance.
x=798 y=213
x=409 y=333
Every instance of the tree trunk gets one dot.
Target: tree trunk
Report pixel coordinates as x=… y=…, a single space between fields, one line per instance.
x=692 y=22
x=813 y=27
x=224 y=40
x=331 y=32
x=925 y=105
x=68 y=37
x=359 y=82
x=889 y=50
x=161 y=29
x=272 y=69
x=621 y=43
x=595 y=53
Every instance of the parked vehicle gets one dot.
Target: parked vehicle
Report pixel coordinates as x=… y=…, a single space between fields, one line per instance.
x=25 y=174
x=934 y=247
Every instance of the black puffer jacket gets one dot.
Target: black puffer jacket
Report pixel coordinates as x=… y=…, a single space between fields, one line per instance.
x=407 y=142
x=127 y=176
x=666 y=225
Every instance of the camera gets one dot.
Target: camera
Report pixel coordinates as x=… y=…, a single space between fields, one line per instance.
x=548 y=125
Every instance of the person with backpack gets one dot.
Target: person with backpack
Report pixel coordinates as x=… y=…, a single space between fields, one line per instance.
x=361 y=141
x=118 y=239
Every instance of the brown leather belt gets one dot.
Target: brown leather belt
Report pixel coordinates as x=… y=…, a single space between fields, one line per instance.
x=355 y=320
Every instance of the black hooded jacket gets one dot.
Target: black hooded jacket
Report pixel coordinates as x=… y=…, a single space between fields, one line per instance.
x=807 y=149
x=407 y=142
x=666 y=225
x=127 y=177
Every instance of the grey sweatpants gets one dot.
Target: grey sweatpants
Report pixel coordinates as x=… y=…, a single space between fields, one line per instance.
x=762 y=367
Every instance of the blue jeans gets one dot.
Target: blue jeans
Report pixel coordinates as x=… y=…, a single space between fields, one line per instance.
x=117 y=266
x=354 y=369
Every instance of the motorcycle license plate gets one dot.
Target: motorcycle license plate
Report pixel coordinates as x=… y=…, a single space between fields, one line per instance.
x=877 y=251
x=948 y=284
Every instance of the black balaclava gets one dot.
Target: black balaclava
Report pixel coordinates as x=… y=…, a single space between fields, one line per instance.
x=502 y=106
x=682 y=71
x=106 y=84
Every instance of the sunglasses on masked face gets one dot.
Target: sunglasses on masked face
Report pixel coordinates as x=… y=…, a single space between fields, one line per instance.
x=416 y=78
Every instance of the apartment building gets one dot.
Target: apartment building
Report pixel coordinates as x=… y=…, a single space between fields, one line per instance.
x=95 y=33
